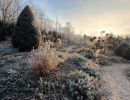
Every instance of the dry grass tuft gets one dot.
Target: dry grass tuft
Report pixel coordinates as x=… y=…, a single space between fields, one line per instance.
x=43 y=62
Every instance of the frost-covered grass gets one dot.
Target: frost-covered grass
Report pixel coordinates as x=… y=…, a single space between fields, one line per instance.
x=37 y=75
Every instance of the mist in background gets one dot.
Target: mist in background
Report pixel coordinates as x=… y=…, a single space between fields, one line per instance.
x=90 y=16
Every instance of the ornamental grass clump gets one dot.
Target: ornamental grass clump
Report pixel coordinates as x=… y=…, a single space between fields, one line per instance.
x=43 y=62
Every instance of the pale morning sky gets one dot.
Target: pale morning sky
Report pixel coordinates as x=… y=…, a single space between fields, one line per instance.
x=90 y=16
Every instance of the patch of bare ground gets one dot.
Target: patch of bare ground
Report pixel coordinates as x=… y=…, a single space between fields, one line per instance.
x=115 y=83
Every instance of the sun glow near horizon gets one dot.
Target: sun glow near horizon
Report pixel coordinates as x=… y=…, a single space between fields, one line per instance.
x=91 y=16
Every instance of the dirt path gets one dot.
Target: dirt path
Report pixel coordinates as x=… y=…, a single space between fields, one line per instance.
x=116 y=85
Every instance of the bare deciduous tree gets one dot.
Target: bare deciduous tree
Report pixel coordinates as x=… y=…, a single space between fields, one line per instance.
x=4 y=7
x=9 y=9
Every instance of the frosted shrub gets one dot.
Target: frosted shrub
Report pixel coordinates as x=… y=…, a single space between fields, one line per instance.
x=82 y=86
x=91 y=72
x=92 y=65
x=120 y=49
x=126 y=53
